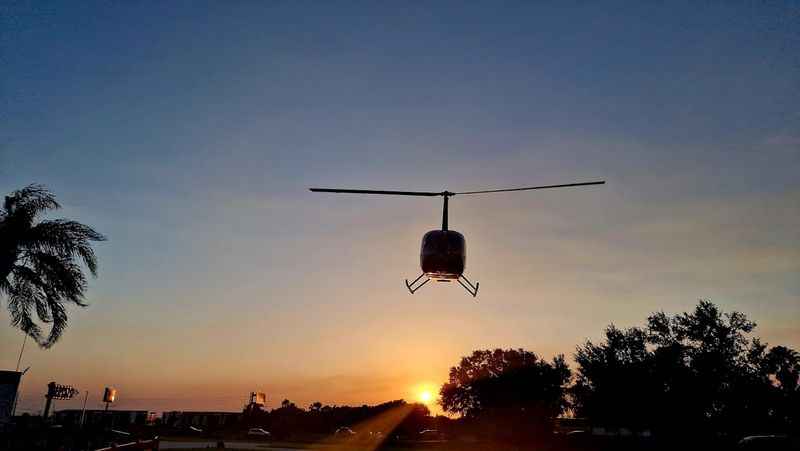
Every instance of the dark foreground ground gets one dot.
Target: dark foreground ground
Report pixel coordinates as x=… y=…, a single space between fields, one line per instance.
x=583 y=443
x=65 y=439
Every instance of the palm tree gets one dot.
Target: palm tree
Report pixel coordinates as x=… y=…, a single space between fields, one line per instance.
x=40 y=269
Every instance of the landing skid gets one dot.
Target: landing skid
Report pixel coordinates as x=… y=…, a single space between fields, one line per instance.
x=471 y=289
x=413 y=286
x=416 y=284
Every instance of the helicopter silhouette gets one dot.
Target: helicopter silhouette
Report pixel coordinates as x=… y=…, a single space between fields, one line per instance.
x=443 y=253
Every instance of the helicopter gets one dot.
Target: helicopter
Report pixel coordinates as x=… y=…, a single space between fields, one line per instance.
x=443 y=253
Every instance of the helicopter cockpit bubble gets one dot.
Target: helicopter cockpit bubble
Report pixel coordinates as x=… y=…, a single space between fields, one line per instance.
x=443 y=254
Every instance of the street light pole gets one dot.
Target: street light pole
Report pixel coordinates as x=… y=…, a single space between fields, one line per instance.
x=83 y=411
x=21 y=351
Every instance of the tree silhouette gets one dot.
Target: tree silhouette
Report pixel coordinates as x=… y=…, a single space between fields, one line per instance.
x=613 y=376
x=39 y=262
x=513 y=388
x=784 y=364
x=697 y=370
x=315 y=407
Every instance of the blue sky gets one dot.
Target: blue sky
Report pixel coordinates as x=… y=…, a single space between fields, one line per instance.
x=189 y=132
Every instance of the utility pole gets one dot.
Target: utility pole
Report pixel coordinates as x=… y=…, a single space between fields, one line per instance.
x=21 y=351
x=19 y=383
x=83 y=411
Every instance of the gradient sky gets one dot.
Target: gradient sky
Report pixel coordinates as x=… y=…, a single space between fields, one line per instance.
x=189 y=132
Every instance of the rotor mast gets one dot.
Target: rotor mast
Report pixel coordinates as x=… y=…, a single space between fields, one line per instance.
x=446 y=195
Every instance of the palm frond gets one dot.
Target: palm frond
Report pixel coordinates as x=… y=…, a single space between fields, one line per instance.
x=65 y=238
x=20 y=300
x=59 y=322
x=24 y=276
x=61 y=276
x=31 y=200
x=44 y=289
x=5 y=286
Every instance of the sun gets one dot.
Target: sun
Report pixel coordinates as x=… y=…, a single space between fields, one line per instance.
x=425 y=396
x=424 y=393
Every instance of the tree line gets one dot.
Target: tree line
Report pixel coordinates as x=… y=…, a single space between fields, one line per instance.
x=700 y=372
x=290 y=421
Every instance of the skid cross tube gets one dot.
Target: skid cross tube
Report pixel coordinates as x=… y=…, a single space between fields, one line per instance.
x=471 y=289
x=411 y=288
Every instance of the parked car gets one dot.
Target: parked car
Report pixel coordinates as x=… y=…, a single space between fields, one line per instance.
x=768 y=443
x=258 y=433
x=431 y=434
x=344 y=431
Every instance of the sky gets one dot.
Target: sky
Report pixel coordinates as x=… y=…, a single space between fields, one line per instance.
x=190 y=132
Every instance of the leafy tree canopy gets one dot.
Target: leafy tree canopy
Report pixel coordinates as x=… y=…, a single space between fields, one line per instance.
x=512 y=380
x=700 y=369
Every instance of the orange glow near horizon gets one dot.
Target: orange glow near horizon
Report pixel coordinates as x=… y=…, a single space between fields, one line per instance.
x=425 y=393
x=425 y=397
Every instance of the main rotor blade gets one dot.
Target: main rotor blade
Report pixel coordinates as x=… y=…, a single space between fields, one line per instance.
x=532 y=187
x=370 y=191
